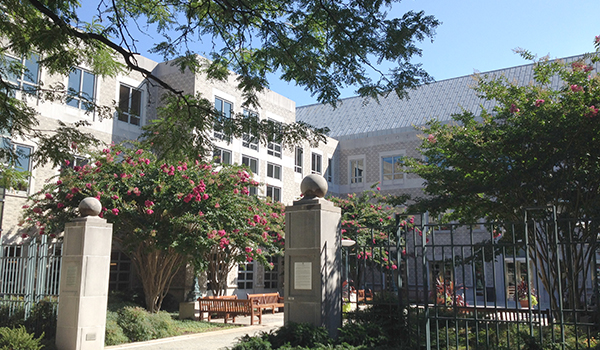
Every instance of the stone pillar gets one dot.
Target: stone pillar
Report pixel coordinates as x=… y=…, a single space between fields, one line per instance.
x=313 y=259
x=84 y=272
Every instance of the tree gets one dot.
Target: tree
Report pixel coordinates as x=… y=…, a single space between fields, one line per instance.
x=322 y=46
x=165 y=213
x=536 y=148
x=369 y=218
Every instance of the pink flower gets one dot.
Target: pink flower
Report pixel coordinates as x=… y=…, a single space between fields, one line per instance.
x=217 y=205
x=235 y=191
x=139 y=151
x=593 y=111
x=597 y=39
x=115 y=211
x=212 y=234
x=431 y=138
x=200 y=213
x=25 y=206
x=114 y=197
x=539 y=102
x=48 y=195
x=513 y=109
x=88 y=185
x=148 y=203
x=248 y=249
x=67 y=163
x=394 y=267
x=74 y=145
x=222 y=233
x=60 y=205
x=59 y=182
x=378 y=189
x=149 y=211
x=576 y=88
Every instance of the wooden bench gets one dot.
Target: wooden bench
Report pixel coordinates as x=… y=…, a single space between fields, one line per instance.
x=229 y=307
x=267 y=300
x=542 y=317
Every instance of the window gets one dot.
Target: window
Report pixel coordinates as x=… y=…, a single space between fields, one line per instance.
x=120 y=272
x=252 y=163
x=299 y=154
x=274 y=146
x=274 y=193
x=20 y=163
x=356 y=171
x=272 y=276
x=316 y=164
x=225 y=110
x=222 y=156
x=81 y=88
x=130 y=105
x=274 y=171
x=249 y=140
x=253 y=190
x=392 y=169
x=329 y=170
x=23 y=77
x=245 y=275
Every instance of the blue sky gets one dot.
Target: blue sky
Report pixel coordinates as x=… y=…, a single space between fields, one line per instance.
x=480 y=35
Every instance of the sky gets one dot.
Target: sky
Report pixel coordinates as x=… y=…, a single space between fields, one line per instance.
x=480 y=35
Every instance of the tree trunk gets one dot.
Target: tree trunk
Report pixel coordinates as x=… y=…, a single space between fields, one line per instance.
x=156 y=269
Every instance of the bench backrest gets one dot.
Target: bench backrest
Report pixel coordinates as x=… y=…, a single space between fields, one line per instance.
x=265 y=298
x=222 y=297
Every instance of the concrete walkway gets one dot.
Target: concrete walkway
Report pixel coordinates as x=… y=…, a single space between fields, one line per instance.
x=209 y=340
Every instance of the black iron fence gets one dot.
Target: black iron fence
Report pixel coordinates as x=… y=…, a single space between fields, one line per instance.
x=482 y=285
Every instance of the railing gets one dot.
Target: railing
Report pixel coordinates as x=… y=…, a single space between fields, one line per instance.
x=29 y=273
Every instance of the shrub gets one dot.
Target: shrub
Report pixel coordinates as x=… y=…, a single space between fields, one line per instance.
x=11 y=318
x=299 y=335
x=43 y=319
x=114 y=333
x=135 y=323
x=18 y=339
x=162 y=324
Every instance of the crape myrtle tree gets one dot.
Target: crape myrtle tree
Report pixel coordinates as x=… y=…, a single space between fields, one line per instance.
x=165 y=214
x=537 y=147
x=369 y=218
x=322 y=46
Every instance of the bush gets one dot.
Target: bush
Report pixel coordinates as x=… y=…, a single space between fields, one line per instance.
x=18 y=339
x=114 y=333
x=11 y=318
x=135 y=323
x=162 y=324
x=43 y=319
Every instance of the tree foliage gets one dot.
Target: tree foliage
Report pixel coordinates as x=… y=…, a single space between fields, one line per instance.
x=535 y=152
x=162 y=212
x=535 y=148
x=322 y=46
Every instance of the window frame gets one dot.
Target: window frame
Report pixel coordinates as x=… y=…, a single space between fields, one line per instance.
x=21 y=82
x=128 y=115
x=220 y=156
x=274 y=148
x=217 y=126
x=271 y=277
x=273 y=169
x=316 y=159
x=250 y=161
x=247 y=274
x=18 y=149
x=77 y=95
x=273 y=196
x=248 y=139
x=395 y=157
x=298 y=159
x=355 y=178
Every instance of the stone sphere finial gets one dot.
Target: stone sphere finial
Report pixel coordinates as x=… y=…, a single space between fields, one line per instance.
x=90 y=206
x=313 y=186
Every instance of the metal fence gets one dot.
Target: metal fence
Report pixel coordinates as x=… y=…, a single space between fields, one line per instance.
x=483 y=285
x=29 y=273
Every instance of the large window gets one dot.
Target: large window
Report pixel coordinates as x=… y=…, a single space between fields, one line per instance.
x=272 y=276
x=298 y=156
x=22 y=73
x=274 y=171
x=249 y=139
x=316 y=164
x=274 y=193
x=392 y=169
x=274 y=146
x=21 y=163
x=222 y=156
x=130 y=105
x=252 y=163
x=225 y=110
x=245 y=275
x=81 y=89
x=357 y=169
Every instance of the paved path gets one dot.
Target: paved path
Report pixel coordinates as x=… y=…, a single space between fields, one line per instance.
x=209 y=340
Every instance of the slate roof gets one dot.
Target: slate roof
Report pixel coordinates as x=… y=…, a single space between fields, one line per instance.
x=357 y=117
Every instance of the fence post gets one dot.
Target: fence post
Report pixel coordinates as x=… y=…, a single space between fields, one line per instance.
x=30 y=276
x=85 y=272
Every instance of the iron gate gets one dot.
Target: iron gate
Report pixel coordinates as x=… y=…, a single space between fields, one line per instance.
x=29 y=273
x=481 y=285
